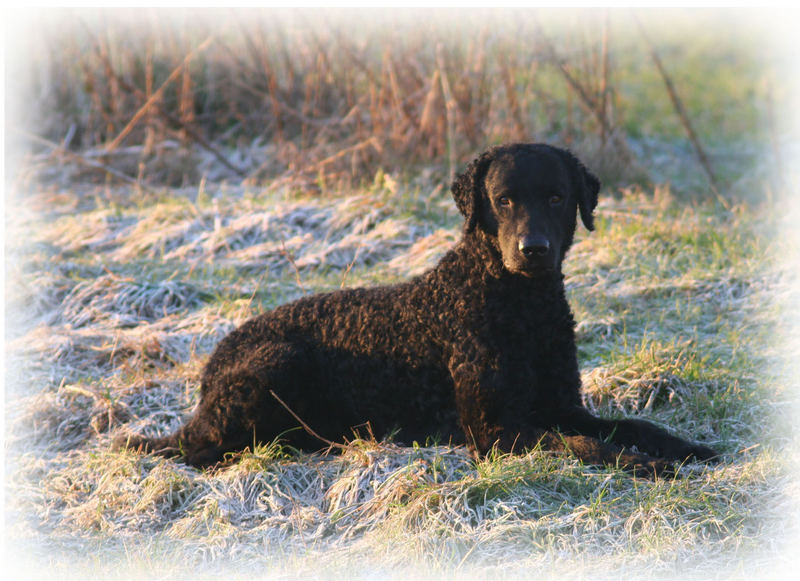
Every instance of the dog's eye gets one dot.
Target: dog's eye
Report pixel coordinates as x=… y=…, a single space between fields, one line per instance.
x=503 y=201
x=555 y=200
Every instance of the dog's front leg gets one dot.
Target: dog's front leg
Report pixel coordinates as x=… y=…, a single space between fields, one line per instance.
x=645 y=436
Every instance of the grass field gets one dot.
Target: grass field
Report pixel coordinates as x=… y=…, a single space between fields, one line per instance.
x=680 y=320
x=121 y=278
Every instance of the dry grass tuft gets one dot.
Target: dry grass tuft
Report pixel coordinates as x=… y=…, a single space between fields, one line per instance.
x=124 y=302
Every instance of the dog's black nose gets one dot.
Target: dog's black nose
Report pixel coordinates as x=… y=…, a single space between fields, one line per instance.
x=531 y=246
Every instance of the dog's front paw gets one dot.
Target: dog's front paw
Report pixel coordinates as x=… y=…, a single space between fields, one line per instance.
x=702 y=453
x=653 y=468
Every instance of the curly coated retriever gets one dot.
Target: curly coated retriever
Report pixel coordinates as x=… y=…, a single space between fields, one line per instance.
x=479 y=350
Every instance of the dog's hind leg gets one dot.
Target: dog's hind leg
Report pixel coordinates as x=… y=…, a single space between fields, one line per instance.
x=237 y=407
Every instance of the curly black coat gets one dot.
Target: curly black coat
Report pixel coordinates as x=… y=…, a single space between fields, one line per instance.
x=478 y=350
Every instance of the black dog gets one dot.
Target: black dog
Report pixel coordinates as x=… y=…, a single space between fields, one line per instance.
x=479 y=350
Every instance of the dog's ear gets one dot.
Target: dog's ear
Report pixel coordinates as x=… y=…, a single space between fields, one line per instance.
x=587 y=198
x=588 y=188
x=469 y=190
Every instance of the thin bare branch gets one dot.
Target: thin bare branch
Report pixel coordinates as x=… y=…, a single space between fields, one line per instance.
x=451 y=108
x=188 y=131
x=305 y=426
x=152 y=101
x=586 y=99
x=58 y=150
x=683 y=115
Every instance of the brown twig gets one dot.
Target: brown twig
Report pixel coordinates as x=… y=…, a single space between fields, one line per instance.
x=305 y=426
x=586 y=99
x=520 y=132
x=151 y=101
x=450 y=108
x=373 y=141
x=682 y=115
x=604 y=85
x=351 y=263
x=57 y=149
x=290 y=258
x=259 y=55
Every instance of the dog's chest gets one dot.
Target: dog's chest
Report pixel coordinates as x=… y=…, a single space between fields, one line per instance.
x=526 y=323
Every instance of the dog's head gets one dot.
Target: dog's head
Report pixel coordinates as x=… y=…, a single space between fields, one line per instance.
x=527 y=196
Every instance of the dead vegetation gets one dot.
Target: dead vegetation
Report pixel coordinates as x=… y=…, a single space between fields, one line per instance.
x=323 y=101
